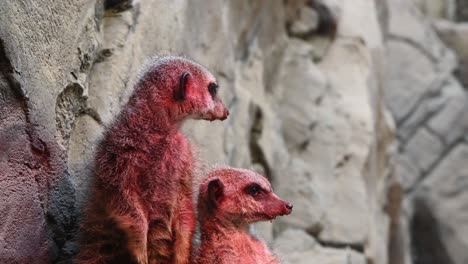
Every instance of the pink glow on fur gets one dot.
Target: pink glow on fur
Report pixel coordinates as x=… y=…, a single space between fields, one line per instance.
x=140 y=208
x=227 y=204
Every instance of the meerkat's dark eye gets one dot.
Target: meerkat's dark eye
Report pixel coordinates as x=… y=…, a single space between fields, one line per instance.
x=254 y=190
x=213 y=89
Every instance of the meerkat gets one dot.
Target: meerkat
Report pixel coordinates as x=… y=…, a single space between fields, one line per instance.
x=141 y=207
x=229 y=200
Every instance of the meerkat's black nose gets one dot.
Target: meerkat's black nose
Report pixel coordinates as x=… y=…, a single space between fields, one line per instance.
x=289 y=206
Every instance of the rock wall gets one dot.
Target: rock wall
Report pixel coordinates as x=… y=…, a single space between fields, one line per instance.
x=426 y=93
x=306 y=98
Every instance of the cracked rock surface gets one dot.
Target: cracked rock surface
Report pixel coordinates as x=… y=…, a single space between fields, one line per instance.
x=355 y=110
x=426 y=93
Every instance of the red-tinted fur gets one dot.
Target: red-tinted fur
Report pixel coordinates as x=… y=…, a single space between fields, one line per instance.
x=229 y=200
x=141 y=208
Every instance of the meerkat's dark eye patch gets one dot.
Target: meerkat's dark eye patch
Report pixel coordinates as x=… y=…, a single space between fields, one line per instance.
x=254 y=190
x=213 y=89
x=181 y=88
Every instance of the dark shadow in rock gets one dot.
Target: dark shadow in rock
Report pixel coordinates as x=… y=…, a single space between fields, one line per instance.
x=118 y=5
x=426 y=244
x=461 y=10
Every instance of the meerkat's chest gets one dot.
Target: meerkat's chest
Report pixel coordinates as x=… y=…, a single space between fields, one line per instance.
x=173 y=151
x=169 y=164
x=251 y=251
x=259 y=253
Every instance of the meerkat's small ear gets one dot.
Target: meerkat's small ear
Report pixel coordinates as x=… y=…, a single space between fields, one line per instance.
x=181 y=87
x=215 y=192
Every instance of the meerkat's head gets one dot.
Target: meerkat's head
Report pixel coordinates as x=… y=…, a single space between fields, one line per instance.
x=239 y=196
x=184 y=88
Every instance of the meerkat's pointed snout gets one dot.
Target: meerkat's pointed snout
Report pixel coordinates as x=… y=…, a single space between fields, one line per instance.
x=219 y=112
x=282 y=207
x=225 y=114
x=288 y=207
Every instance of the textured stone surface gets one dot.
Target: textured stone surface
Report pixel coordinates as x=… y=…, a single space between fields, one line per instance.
x=426 y=96
x=296 y=246
x=461 y=10
x=423 y=149
x=407 y=24
x=306 y=112
x=407 y=79
x=451 y=122
x=24 y=235
x=407 y=171
x=437 y=8
x=445 y=194
x=455 y=35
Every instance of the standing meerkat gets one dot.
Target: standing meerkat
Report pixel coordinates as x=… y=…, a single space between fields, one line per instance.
x=230 y=199
x=141 y=209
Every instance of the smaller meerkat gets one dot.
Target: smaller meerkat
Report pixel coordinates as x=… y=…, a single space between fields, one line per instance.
x=230 y=199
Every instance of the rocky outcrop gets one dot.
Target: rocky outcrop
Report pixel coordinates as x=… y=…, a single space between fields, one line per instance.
x=426 y=95
x=300 y=247
x=308 y=85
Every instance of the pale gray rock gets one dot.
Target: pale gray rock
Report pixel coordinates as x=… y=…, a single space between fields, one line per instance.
x=332 y=168
x=306 y=22
x=408 y=24
x=444 y=194
x=296 y=246
x=431 y=117
x=407 y=170
x=455 y=36
x=301 y=88
x=308 y=127
x=440 y=91
x=358 y=19
x=86 y=134
x=423 y=149
x=407 y=79
x=437 y=9
x=451 y=123
x=307 y=192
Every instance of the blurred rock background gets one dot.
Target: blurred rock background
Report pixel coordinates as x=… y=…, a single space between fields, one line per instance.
x=355 y=110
